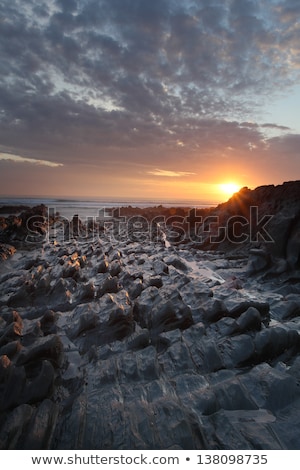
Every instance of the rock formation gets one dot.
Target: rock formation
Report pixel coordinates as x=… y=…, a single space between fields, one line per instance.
x=125 y=344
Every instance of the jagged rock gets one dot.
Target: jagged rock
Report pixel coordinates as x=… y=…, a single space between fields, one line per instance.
x=48 y=323
x=111 y=285
x=2 y=324
x=236 y=350
x=213 y=310
x=5 y=365
x=11 y=349
x=232 y=395
x=285 y=427
x=159 y=314
x=176 y=359
x=49 y=347
x=279 y=266
x=23 y=296
x=84 y=319
x=87 y=291
x=271 y=342
x=135 y=288
x=155 y=281
x=43 y=286
x=280 y=228
x=115 y=268
x=10 y=333
x=206 y=355
x=71 y=269
x=191 y=335
x=236 y=430
x=169 y=315
x=286 y=310
x=236 y=308
x=148 y=298
x=121 y=321
x=270 y=389
x=41 y=427
x=60 y=296
x=12 y=384
x=141 y=365
x=139 y=340
x=6 y=251
x=166 y=339
x=177 y=262
x=103 y=266
x=29 y=228
x=160 y=268
x=115 y=255
x=13 y=317
x=259 y=259
x=249 y=320
x=294 y=369
x=32 y=332
x=14 y=427
x=225 y=326
x=196 y=290
x=293 y=246
x=40 y=386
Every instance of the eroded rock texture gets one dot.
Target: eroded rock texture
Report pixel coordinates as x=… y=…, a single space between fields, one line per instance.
x=135 y=345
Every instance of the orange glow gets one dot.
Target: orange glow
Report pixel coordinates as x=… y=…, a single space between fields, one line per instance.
x=229 y=188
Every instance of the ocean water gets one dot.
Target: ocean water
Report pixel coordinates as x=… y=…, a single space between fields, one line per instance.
x=91 y=207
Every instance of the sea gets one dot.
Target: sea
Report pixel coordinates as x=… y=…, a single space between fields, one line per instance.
x=85 y=208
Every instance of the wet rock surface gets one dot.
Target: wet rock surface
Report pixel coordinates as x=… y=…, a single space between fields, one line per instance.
x=134 y=345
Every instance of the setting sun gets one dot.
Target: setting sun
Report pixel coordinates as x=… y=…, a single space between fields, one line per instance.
x=229 y=188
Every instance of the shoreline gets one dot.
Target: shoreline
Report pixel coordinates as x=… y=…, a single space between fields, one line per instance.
x=91 y=207
x=163 y=346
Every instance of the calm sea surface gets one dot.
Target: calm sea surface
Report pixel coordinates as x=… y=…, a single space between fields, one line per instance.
x=90 y=207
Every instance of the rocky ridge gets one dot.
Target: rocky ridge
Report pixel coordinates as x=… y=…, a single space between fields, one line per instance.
x=122 y=344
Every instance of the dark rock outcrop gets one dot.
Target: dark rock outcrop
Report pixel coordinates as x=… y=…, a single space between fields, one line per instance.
x=28 y=228
x=268 y=216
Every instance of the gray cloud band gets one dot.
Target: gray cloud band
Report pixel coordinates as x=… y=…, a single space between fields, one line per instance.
x=131 y=74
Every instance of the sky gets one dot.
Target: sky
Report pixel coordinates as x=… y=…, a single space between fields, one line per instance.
x=171 y=99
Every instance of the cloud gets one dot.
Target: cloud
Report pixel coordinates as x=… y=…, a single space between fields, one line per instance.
x=275 y=126
x=110 y=83
x=287 y=146
x=171 y=174
x=255 y=125
x=18 y=159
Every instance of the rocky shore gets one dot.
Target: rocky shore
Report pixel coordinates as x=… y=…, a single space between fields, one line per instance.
x=173 y=338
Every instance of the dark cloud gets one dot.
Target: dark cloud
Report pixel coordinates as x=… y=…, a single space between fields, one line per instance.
x=288 y=10
x=133 y=78
x=275 y=126
x=286 y=146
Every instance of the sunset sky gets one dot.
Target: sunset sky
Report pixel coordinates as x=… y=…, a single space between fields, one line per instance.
x=167 y=99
